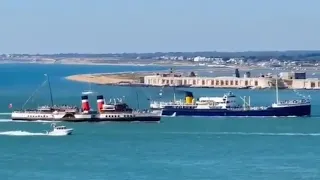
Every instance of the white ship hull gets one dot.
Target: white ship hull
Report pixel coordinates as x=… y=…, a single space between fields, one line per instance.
x=29 y=116
x=61 y=132
x=148 y=117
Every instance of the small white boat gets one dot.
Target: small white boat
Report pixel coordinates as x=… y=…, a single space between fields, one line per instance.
x=87 y=92
x=60 y=130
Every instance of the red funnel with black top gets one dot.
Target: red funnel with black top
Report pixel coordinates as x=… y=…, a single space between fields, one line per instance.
x=85 y=103
x=100 y=102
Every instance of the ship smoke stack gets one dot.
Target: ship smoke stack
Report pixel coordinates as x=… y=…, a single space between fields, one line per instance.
x=85 y=103
x=237 y=73
x=189 y=97
x=100 y=102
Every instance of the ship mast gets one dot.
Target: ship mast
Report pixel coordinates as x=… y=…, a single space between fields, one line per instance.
x=51 y=99
x=174 y=84
x=33 y=94
x=174 y=94
x=137 y=98
x=277 y=90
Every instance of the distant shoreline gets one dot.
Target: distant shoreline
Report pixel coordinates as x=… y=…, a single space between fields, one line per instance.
x=137 y=63
x=101 y=63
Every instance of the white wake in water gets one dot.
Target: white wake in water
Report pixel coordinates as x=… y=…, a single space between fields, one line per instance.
x=37 y=121
x=247 y=133
x=5 y=113
x=6 y=120
x=26 y=133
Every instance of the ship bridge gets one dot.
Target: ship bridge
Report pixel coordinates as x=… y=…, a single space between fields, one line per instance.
x=228 y=100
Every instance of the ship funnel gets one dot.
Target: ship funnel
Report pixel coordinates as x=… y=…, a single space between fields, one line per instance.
x=189 y=97
x=100 y=102
x=85 y=103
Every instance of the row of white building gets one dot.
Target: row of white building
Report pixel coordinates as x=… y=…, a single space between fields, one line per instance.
x=230 y=82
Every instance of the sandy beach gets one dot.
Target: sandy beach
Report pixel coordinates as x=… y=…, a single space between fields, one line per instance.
x=109 y=78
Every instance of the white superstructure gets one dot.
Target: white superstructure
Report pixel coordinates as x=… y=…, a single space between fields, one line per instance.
x=228 y=100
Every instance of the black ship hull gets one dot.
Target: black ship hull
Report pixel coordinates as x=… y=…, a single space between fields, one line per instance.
x=301 y=110
x=131 y=119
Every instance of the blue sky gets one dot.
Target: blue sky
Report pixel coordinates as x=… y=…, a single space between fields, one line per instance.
x=113 y=26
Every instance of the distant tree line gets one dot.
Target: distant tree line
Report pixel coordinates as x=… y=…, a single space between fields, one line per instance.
x=249 y=55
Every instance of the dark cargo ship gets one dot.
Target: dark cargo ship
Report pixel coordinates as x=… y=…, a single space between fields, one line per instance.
x=228 y=106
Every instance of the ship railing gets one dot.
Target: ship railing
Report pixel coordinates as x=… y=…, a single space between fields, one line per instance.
x=58 y=106
x=299 y=101
x=160 y=104
x=177 y=106
x=239 y=108
x=47 y=110
x=30 y=111
x=164 y=102
x=147 y=113
x=258 y=108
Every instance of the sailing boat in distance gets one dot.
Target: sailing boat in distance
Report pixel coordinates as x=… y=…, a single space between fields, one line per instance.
x=88 y=92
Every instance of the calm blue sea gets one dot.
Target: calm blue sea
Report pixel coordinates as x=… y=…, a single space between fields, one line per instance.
x=176 y=148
